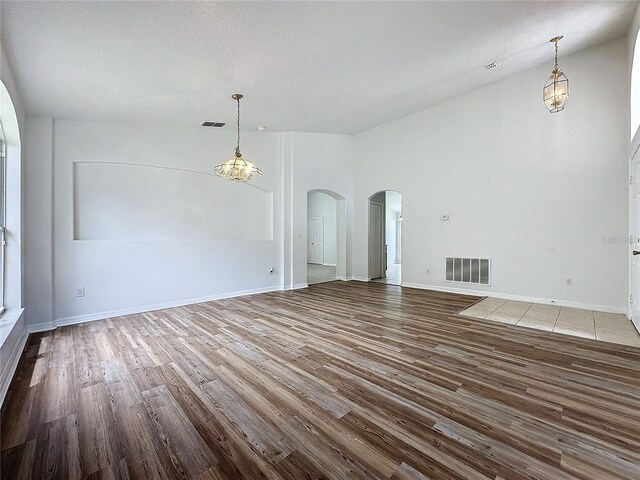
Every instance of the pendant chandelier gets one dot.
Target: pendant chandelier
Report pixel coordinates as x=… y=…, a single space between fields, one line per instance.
x=556 y=91
x=237 y=168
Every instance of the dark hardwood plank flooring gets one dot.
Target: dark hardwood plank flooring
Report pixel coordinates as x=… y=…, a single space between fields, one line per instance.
x=338 y=381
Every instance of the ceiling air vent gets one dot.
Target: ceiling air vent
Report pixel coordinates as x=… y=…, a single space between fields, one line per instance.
x=213 y=124
x=491 y=66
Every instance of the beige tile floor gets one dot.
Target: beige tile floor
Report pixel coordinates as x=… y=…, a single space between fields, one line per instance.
x=320 y=273
x=608 y=327
x=393 y=277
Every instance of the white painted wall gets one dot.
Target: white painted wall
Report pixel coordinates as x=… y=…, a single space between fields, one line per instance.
x=118 y=201
x=322 y=205
x=544 y=196
x=127 y=274
x=191 y=256
x=393 y=208
x=315 y=161
x=39 y=220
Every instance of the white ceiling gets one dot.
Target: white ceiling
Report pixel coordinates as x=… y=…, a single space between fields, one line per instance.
x=339 y=67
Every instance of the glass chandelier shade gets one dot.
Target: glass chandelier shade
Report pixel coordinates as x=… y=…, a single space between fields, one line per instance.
x=556 y=91
x=237 y=168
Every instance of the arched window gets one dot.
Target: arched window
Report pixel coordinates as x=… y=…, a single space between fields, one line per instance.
x=635 y=88
x=10 y=220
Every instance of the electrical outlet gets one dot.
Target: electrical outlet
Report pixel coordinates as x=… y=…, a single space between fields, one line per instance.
x=80 y=292
x=427 y=271
x=569 y=282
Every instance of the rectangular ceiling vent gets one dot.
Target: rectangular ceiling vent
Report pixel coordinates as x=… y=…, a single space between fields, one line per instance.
x=213 y=124
x=468 y=270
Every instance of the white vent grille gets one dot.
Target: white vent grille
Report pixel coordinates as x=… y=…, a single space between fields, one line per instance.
x=468 y=270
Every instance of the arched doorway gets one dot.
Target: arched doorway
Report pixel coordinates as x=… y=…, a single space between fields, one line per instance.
x=326 y=236
x=385 y=237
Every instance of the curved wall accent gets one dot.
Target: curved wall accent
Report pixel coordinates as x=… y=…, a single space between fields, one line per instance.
x=125 y=201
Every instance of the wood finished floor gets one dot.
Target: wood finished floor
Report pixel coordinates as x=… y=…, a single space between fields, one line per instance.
x=338 y=381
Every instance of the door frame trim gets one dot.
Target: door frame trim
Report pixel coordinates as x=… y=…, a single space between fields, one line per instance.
x=382 y=242
x=315 y=218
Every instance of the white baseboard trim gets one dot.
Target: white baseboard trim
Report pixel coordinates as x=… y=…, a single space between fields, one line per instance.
x=40 y=327
x=360 y=279
x=328 y=264
x=344 y=278
x=521 y=298
x=10 y=366
x=60 y=322
x=298 y=286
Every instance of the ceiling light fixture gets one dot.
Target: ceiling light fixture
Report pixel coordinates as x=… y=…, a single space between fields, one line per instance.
x=237 y=168
x=556 y=91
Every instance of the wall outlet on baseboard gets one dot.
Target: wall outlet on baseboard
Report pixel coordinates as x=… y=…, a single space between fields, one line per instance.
x=569 y=282
x=80 y=292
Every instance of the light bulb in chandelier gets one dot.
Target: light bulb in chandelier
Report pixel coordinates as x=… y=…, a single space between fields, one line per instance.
x=237 y=168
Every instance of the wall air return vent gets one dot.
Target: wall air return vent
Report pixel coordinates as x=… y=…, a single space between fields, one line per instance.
x=468 y=270
x=213 y=124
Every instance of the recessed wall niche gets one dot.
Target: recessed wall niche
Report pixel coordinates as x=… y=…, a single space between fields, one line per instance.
x=131 y=202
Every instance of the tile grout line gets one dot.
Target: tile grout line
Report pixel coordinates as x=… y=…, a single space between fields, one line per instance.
x=556 y=322
x=495 y=309
x=525 y=312
x=491 y=312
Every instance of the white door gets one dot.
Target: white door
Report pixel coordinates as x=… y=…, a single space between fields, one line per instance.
x=376 y=240
x=634 y=250
x=315 y=240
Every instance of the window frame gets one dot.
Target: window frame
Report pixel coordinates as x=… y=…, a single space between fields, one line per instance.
x=3 y=217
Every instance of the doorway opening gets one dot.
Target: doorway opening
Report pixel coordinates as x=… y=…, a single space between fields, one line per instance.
x=323 y=225
x=385 y=237
x=634 y=253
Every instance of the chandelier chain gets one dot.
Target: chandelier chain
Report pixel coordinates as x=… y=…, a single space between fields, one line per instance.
x=238 y=125
x=556 y=42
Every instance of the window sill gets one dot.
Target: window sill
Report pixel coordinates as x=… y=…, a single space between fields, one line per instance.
x=8 y=321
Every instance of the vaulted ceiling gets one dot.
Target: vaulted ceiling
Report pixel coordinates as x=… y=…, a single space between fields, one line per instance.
x=339 y=67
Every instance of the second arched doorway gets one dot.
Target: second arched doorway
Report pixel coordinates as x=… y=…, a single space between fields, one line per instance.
x=385 y=237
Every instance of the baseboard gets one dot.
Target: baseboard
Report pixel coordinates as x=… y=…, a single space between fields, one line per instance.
x=360 y=279
x=521 y=298
x=297 y=286
x=344 y=278
x=150 y=308
x=40 y=327
x=10 y=366
x=329 y=264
